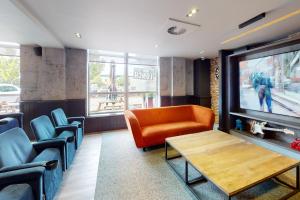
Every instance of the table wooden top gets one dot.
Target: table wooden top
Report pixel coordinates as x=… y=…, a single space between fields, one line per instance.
x=231 y=163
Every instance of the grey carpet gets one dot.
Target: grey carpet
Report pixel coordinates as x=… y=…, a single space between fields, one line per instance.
x=126 y=173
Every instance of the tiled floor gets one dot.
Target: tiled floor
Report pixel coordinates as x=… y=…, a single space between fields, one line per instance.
x=79 y=181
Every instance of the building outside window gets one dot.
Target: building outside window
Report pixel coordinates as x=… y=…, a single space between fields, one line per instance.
x=9 y=78
x=119 y=81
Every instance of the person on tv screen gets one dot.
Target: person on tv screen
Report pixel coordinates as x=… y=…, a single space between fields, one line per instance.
x=262 y=85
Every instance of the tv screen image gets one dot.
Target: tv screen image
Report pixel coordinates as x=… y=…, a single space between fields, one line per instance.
x=271 y=84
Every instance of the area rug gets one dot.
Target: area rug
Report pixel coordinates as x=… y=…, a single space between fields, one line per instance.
x=127 y=173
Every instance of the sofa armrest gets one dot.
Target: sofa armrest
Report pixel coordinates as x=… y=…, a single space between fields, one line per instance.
x=204 y=116
x=134 y=127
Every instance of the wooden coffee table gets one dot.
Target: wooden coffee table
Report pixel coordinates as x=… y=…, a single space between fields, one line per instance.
x=232 y=164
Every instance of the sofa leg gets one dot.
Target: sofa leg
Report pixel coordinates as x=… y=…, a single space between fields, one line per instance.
x=144 y=149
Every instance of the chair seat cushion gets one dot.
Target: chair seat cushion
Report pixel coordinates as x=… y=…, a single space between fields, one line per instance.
x=47 y=155
x=156 y=134
x=17 y=192
x=76 y=123
x=66 y=134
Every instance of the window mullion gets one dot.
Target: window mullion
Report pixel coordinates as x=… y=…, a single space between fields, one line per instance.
x=126 y=81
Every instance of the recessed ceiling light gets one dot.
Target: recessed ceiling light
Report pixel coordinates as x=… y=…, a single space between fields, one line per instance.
x=156 y=46
x=202 y=52
x=78 y=35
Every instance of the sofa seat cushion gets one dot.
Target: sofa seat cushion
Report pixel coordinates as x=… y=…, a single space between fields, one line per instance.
x=156 y=134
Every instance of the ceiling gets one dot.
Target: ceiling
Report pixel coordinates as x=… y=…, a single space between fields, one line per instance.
x=139 y=25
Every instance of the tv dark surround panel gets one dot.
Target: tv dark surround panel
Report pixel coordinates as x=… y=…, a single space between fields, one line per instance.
x=230 y=109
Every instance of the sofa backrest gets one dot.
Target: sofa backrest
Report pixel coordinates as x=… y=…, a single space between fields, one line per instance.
x=147 y=117
x=42 y=128
x=15 y=148
x=59 y=117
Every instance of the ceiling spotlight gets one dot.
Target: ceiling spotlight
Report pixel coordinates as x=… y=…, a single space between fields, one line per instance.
x=192 y=12
x=202 y=52
x=156 y=46
x=78 y=35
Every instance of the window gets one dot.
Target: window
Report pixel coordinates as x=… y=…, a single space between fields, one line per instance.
x=119 y=81
x=9 y=79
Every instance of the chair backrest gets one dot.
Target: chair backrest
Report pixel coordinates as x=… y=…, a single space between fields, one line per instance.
x=15 y=148
x=42 y=128
x=59 y=117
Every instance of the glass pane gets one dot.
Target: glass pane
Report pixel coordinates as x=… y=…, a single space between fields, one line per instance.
x=106 y=103
x=142 y=78
x=142 y=59
x=106 y=77
x=106 y=56
x=9 y=51
x=9 y=83
x=142 y=100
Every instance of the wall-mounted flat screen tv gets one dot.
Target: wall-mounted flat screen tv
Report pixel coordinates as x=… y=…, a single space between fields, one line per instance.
x=271 y=84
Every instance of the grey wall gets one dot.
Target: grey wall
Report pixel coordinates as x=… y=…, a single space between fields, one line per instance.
x=176 y=76
x=58 y=74
x=76 y=73
x=189 y=77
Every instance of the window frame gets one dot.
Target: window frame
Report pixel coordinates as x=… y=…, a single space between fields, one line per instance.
x=18 y=56
x=126 y=92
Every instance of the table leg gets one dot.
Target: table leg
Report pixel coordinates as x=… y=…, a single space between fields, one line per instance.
x=186 y=172
x=297 y=177
x=166 y=150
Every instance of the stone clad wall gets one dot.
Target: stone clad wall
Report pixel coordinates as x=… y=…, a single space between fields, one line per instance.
x=176 y=76
x=58 y=74
x=214 y=88
x=76 y=73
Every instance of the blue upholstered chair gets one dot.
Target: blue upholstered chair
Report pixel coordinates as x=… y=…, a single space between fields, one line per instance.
x=60 y=119
x=38 y=164
x=11 y=120
x=17 y=192
x=17 y=116
x=44 y=130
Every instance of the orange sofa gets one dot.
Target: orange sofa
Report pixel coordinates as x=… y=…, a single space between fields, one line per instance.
x=150 y=127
